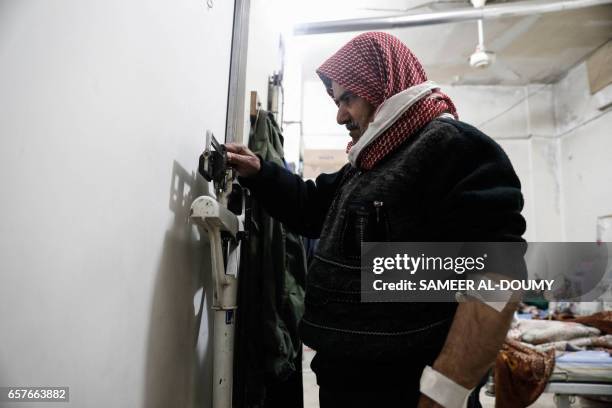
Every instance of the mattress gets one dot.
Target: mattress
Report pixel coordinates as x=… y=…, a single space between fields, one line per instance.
x=583 y=366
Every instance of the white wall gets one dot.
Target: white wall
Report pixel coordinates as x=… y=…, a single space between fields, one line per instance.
x=583 y=125
x=546 y=189
x=103 y=111
x=263 y=56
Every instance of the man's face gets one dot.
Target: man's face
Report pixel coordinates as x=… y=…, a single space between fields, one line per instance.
x=354 y=112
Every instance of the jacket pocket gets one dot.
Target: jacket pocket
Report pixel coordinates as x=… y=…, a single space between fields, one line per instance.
x=365 y=221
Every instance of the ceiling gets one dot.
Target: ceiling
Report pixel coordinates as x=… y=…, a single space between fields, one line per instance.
x=531 y=49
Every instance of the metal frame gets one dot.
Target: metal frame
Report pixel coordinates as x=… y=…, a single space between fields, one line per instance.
x=234 y=128
x=563 y=391
x=216 y=219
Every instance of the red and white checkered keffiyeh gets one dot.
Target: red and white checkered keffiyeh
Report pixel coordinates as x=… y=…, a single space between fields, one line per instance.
x=376 y=66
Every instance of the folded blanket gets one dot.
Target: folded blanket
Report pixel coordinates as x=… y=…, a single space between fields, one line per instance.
x=549 y=331
x=604 y=342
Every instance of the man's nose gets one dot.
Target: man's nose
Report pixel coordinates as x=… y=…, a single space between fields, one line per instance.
x=342 y=116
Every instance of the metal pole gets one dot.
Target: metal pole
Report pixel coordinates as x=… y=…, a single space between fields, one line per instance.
x=223 y=358
x=413 y=20
x=235 y=103
x=214 y=217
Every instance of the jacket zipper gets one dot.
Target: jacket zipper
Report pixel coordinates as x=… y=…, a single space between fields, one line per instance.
x=377 y=206
x=361 y=228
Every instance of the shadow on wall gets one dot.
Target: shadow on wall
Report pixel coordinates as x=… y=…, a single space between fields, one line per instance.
x=179 y=361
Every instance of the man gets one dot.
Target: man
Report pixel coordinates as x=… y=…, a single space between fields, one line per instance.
x=416 y=173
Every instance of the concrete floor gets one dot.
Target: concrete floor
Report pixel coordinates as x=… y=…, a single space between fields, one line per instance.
x=311 y=390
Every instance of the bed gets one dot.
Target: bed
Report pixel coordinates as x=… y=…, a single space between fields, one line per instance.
x=580 y=373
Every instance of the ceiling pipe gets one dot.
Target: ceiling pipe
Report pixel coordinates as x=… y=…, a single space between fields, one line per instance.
x=522 y=8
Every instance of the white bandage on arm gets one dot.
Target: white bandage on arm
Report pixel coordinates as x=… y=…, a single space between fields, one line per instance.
x=497 y=300
x=442 y=389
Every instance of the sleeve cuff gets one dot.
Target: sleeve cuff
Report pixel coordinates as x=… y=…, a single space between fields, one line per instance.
x=266 y=171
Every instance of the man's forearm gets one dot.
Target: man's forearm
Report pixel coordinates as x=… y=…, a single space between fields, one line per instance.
x=473 y=342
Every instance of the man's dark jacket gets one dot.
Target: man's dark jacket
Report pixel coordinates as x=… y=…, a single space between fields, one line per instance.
x=448 y=183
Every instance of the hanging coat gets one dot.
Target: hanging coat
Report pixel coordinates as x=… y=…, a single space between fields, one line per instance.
x=270 y=298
